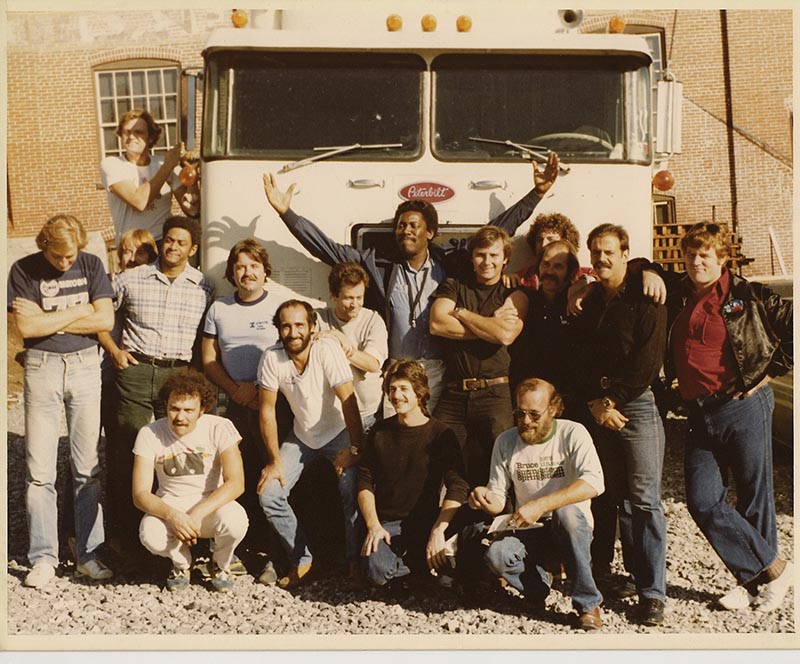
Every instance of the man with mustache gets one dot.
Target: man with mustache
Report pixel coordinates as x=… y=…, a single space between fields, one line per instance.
x=622 y=337
x=238 y=329
x=163 y=304
x=315 y=378
x=403 y=280
x=552 y=469
x=544 y=347
x=360 y=332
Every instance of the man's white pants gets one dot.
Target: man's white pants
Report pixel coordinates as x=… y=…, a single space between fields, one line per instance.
x=227 y=527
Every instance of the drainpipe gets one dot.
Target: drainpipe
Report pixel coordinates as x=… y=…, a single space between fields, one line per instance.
x=726 y=71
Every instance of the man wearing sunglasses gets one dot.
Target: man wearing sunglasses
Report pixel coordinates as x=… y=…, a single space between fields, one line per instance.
x=553 y=470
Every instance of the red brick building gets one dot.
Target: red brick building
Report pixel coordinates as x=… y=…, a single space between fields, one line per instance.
x=68 y=70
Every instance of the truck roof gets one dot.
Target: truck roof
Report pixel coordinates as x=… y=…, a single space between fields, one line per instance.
x=419 y=42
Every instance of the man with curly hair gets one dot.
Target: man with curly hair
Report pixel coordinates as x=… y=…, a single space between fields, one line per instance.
x=197 y=463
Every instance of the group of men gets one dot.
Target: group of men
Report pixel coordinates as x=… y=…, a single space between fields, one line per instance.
x=441 y=394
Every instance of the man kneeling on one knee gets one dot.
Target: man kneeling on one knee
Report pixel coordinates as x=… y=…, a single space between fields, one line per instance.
x=406 y=460
x=553 y=469
x=199 y=470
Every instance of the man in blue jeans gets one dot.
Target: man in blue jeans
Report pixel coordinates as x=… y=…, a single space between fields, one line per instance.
x=622 y=337
x=552 y=468
x=315 y=378
x=60 y=297
x=729 y=340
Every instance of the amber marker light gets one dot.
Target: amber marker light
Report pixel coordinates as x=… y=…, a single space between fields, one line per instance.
x=394 y=22
x=239 y=18
x=616 y=25
x=663 y=180
x=428 y=23
x=463 y=23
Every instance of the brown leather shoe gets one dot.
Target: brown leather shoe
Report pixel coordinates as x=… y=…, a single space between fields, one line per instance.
x=295 y=576
x=590 y=620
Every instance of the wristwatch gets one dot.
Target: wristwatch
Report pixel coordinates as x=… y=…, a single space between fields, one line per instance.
x=353 y=450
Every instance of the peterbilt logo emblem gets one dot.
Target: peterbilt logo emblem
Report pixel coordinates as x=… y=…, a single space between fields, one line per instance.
x=433 y=192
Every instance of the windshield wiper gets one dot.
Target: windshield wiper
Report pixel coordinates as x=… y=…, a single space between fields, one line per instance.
x=531 y=152
x=331 y=151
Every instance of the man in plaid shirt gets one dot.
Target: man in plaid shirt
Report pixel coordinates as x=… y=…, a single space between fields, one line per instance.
x=164 y=304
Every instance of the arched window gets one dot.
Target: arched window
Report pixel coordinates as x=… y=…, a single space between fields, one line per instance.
x=127 y=84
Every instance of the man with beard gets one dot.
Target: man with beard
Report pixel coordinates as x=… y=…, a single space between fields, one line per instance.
x=552 y=468
x=543 y=348
x=316 y=380
x=622 y=337
x=405 y=278
x=360 y=332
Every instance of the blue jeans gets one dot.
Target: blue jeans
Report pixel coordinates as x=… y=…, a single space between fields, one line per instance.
x=567 y=535
x=274 y=498
x=633 y=460
x=71 y=381
x=736 y=436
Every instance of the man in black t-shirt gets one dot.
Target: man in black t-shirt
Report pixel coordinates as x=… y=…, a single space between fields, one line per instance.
x=405 y=461
x=481 y=317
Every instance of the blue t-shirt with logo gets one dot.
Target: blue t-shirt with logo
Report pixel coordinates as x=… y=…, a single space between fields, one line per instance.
x=34 y=279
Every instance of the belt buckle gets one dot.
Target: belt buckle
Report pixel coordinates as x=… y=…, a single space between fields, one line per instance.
x=472 y=384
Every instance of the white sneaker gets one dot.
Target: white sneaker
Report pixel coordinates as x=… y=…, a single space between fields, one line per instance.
x=771 y=597
x=94 y=569
x=40 y=575
x=737 y=599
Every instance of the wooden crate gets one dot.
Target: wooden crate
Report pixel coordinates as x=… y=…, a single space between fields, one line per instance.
x=667 y=248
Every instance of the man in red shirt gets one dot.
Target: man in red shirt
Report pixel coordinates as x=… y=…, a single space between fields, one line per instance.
x=730 y=339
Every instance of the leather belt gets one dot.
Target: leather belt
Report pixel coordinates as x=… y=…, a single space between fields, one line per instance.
x=713 y=401
x=162 y=362
x=473 y=384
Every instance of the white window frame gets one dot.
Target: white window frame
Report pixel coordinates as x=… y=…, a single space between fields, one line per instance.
x=124 y=102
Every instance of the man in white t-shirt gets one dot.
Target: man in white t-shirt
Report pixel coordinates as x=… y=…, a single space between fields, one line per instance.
x=316 y=380
x=139 y=184
x=197 y=463
x=360 y=332
x=553 y=470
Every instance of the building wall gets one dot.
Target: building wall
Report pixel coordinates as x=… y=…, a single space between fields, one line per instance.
x=54 y=150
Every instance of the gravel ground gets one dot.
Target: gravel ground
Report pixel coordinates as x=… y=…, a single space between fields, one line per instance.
x=138 y=605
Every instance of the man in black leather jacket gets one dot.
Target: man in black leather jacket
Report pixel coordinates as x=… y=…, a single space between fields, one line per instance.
x=728 y=341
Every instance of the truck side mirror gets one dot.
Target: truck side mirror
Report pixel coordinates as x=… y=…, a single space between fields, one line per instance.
x=670 y=119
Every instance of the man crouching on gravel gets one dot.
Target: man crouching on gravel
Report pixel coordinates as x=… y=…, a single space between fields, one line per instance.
x=199 y=470
x=406 y=459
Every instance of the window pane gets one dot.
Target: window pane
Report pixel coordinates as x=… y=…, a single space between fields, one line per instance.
x=171 y=107
x=123 y=106
x=572 y=105
x=110 y=139
x=107 y=111
x=157 y=108
x=154 y=80
x=171 y=80
x=162 y=140
x=140 y=102
x=348 y=99
x=123 y=87
x=137 y=80
x=105 y=83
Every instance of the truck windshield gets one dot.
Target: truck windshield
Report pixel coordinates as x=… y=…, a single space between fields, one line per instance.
x=267 y=105
x=586 y=108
